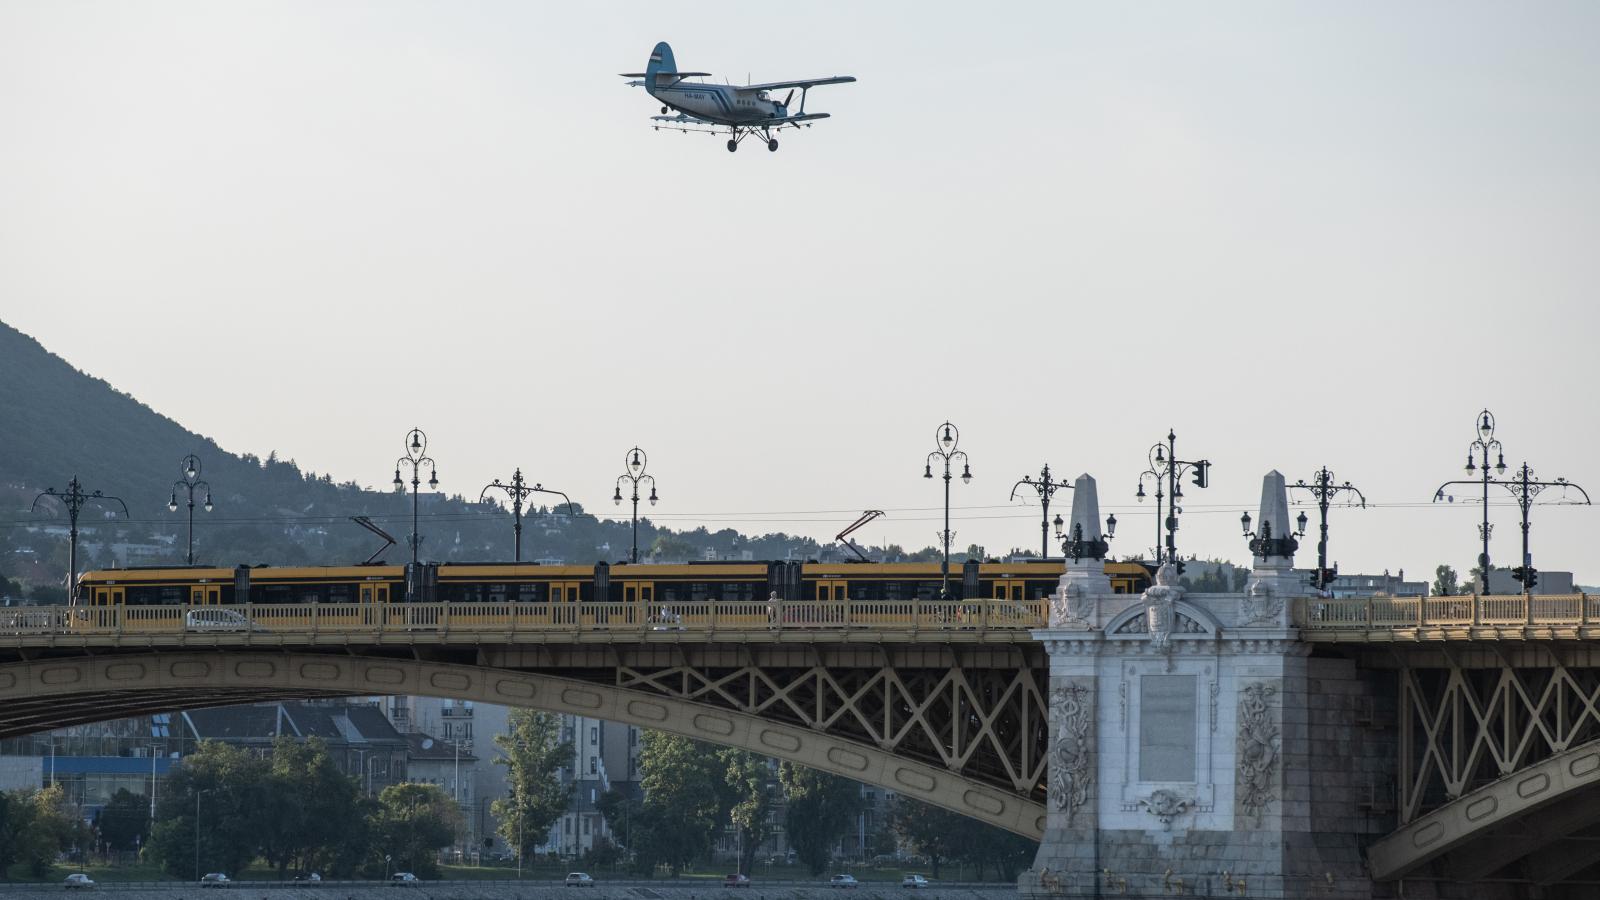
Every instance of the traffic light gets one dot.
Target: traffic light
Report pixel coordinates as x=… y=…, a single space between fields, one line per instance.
x=1202 y=473
x=1532 y=578
x=1518 y=572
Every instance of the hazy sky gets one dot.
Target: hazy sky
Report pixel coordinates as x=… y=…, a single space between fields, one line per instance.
x=1297 y=233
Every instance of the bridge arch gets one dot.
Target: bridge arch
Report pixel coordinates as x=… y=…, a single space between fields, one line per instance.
x=1490 y=827
x=38 y=695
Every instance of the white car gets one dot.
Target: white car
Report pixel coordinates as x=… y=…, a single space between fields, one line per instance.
x=218 y=618
x=914 y=881
x=579 y=879
x=847 y=882
x=405 y=878
x=215 y=880
x=78 y=880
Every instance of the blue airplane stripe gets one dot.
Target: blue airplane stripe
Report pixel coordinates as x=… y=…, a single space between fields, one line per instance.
x=723 y=101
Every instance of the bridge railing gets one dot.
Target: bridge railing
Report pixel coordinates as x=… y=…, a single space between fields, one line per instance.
x=1463 y=611
x=511 y=618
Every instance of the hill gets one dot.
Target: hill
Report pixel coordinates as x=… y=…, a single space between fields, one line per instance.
x=58 y=421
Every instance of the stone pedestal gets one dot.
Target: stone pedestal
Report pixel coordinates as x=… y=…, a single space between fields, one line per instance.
x=1181 y=749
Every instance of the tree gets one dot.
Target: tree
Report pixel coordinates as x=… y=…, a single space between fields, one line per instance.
x=931 y=831
x=413 y=822
x=821 y=807
x=232 y=787
x=124 y=822
x=686 y=801
x=315 y=814
x=1444 y=581
x=748 y=777
x=49 y=826
x=533 y=752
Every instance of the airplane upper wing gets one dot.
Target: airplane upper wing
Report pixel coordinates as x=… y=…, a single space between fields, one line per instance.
x=801 y=83
x=669 y=77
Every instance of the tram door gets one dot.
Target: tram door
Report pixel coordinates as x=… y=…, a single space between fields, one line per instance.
x=1013 y=589
x=564 y=601
x=638 y=594
x=833 y=589
x=205 y=595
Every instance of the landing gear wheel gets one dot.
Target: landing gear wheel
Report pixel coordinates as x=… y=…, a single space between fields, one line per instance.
x=663 y=110
x=772 y=144
x=732 y=146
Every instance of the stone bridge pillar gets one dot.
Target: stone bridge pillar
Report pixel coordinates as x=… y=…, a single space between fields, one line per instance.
x=1180 y=758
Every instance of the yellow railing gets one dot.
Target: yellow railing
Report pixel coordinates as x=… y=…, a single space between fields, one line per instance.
x=514 y=618
x=1466 y=611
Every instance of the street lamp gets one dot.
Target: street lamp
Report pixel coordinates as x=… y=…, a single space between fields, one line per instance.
x=1323 y=490
x=633 y=473
x=1165 y=464
x=416 y=456
x=197 y=794
x=518 y=490
x=1266 y=544
x=1485 y=442
x=75 y=498
x=945 y=441
x=1075 y=546
x=189 y=483
x=1046 y=489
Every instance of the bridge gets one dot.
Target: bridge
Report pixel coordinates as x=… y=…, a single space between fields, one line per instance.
x=1267 y=744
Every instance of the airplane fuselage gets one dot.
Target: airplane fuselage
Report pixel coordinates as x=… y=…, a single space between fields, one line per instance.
x=719 y=103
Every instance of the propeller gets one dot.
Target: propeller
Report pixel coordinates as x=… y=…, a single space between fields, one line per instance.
x=786 y=101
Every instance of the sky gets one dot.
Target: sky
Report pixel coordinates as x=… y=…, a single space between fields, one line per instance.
x=1299 y=234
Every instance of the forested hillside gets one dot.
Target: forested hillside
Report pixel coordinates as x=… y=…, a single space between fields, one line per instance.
x=56 y=421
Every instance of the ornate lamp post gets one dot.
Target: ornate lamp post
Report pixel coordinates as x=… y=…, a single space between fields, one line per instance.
x=633 y=473
x=416 y=457
x=1485 y=442
x=519 y=490
x=1324 y=491
x=189 y=483
x=1074 y=545
x=1046 y=489
x=1165 y=464
x=1525 y=488
x=1266 y=543
x=74 y=498
x=945 y=441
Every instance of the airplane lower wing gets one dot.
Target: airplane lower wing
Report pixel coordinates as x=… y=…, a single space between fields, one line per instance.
x=684 y=119
x=801 y=118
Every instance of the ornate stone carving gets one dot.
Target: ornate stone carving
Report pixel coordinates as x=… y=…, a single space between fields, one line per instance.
x=1258 y=748
x=1166 y=805
x=1260 y=605
x=1071 y=747
x=1159 y=615
x=1070 y=605
x=1181 y=624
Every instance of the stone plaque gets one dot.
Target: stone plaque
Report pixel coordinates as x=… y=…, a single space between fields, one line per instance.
x=1167 y=705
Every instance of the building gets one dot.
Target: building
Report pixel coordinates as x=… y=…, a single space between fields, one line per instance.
x=1384 y=585
x=359 y=738
x=1501 y=582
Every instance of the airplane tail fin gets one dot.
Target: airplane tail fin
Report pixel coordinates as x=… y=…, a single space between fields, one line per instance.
x=661 y=61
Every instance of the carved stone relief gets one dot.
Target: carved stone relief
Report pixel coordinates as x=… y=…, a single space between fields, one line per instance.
x=1166 y=805
x=1071 y=747
x=1071 y=605
x=1258 y=748
x=1260 y=605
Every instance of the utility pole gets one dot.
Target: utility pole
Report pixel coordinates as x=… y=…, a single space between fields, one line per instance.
x=75 y=499
x=1046 y=489
x=1165 y=464
x=519 y=491
x=1484 y=443
x=1323 y=491
x=1526 y=489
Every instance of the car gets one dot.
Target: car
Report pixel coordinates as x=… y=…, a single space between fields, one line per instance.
x=218 y=618
x=215 y=880
x=579 y=879
x=737 y=879
x=914 y=881
x=78 y=880
x=847 y=882
x=311 y=877
x=405 y=878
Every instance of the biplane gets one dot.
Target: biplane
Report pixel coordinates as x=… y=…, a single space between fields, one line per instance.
x=741 y=111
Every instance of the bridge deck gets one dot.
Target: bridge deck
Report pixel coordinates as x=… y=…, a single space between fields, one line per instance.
x=531 y=623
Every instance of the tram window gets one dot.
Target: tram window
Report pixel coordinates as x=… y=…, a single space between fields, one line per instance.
x=338 y=593
x=170 y=596
x=699 y=592
x=531 y=593
x=497 y=593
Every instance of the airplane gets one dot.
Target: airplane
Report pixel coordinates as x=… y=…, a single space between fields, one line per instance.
x=743 y=111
